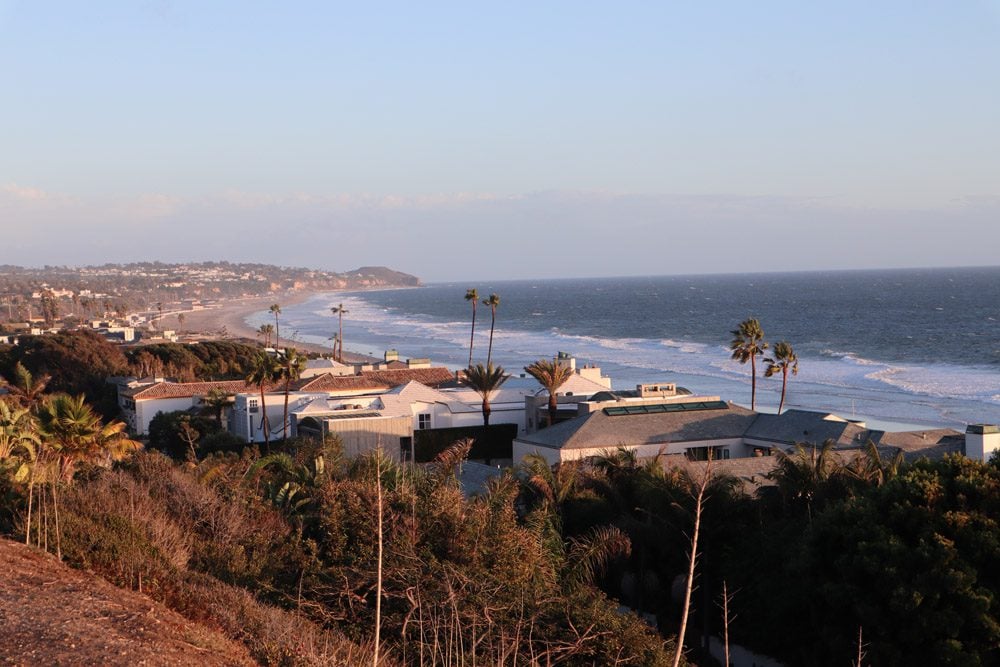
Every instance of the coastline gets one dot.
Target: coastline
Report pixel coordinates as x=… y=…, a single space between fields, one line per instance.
x=229 y=322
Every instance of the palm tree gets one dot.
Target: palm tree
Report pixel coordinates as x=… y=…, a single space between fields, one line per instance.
x=17 y=430
x=19 y=448
x=276 y=309
x=26 y=389
x=216 y=401
x=339 y=311
x=473 y=296
x=76 y=434
x=748 y=344
x=290 y=369
x=485 y=380
x=263 y=371
x=492 y=302
x=73 y=434
x=551 y=375
x=266 y=330
x=784 y=360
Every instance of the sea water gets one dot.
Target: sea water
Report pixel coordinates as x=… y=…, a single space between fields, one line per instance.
x=912 y=346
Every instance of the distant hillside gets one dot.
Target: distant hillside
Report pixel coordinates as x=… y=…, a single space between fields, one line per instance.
x=90 y=290
x=380 y=275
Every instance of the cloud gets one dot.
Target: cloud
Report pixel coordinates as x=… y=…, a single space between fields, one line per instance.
x=18 y=192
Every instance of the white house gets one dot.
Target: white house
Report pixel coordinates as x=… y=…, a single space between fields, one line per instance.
x=141 y=400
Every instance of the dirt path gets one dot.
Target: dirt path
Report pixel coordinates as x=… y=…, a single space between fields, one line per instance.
x=53 y=615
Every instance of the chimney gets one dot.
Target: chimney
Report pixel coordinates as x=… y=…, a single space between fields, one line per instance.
x=391 y=355
x=981 y=440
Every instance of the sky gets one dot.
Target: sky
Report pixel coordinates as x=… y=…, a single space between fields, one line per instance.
x=502 y=140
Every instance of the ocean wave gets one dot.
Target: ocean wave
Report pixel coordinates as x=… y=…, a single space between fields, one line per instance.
x=840 y=376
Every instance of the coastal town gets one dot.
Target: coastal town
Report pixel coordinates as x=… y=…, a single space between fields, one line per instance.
x=633 y=334
x=214 y=400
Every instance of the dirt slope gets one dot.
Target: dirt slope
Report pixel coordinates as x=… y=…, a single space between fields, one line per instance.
x=53 y=615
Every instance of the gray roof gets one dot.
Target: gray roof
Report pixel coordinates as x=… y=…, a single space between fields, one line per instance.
x=720 y=421
x=804 y=426
x=598 y=430
x=932 y=443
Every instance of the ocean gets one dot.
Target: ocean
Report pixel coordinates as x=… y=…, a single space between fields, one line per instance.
x=914 y=347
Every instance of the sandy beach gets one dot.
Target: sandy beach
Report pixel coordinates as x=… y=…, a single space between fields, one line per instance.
x=229 y=322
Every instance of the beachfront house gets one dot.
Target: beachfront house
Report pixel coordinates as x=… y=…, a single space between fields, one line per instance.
x=141 y=400
x=703 y=427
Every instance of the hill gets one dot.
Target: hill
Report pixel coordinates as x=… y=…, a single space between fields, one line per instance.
x=51 y=614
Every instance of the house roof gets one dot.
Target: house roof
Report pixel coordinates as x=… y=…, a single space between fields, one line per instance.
x=794 y=426
x=599 y=430
x=932 y=443
x=189 y=389
x=376 y=380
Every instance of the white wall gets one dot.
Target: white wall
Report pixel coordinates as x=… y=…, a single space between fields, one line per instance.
x=145 y=410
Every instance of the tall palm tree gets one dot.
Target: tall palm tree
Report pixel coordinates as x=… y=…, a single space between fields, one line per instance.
x=72 y=434
x=493 y=301
x=748 y=344
x=783 y=361
x=26 y=389
x=551 y=375
x=263 y=371
x=276 y=309
x=339 y=311
x=473 y=296
x=485 y=380
x=289 y=370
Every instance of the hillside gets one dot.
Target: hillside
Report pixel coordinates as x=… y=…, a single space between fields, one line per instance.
x=95 y=290
x=51 y=614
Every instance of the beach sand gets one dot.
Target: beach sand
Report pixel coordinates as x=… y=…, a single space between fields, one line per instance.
x=229 y=322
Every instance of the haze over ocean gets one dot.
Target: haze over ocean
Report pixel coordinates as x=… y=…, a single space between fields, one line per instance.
x=913 y=346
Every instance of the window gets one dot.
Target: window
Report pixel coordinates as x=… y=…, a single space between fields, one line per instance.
x=252 y=405
x=702 y=453
x=424 y=421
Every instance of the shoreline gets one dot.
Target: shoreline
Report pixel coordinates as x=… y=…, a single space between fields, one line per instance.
x=229 y=322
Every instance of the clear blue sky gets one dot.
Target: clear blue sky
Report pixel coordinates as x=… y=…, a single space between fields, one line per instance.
x=632 y=137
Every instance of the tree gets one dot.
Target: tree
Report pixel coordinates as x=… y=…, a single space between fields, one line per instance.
x=17 y=429
x=76 y=434
x=339 y=311
x=19 y=445
x=551 y=375
x=26 y=388
x=493 y=301
x=783 y=361
x=266 y=330
x=748 y=344
x=216 y=400
x=473 y=296
x=485 y=380
x=698 y=492
x=289 y=369
x=262 y=374
x=276 y=309
x=73 y=434
x=50 y=307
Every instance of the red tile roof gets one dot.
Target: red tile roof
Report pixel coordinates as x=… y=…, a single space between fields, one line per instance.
x=432 y=377
x=367 y=380
x=188 y=389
